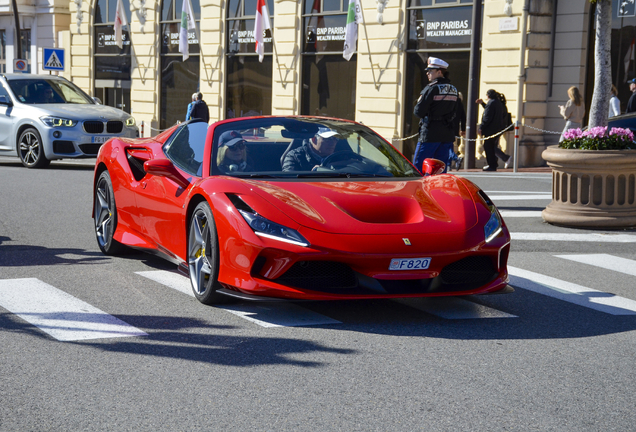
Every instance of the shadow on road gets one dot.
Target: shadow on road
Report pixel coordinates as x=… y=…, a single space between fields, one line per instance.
x=27 y=255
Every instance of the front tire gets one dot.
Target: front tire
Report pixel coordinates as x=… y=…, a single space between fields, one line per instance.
x=105 y=216
x=31 y=150
x=203 y=256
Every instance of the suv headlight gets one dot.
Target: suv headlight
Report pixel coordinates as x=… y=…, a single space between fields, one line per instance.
x=51 y=121
x=130 y=121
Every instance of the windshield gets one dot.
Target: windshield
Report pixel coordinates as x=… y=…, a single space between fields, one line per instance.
x=304 y=147
x=47 y=91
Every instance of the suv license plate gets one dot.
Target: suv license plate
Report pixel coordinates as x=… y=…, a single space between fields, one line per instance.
x=410 y=264
x=101 y=139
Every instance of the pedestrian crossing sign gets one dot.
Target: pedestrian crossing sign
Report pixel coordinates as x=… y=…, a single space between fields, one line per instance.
x=53 y=59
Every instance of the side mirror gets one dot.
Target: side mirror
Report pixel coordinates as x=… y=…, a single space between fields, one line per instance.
x=433 y=167
x=4 y=100
x=165 y=168
x=97 y=100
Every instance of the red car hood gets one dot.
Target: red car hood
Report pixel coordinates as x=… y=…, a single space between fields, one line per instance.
x=433 y=204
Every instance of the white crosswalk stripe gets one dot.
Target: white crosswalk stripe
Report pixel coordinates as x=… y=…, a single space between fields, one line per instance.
x=59 y=314
x=570 y=292
x=565 y=237
x=609 y=262
x=271 y=315
x=454 y=308
x=520 y=213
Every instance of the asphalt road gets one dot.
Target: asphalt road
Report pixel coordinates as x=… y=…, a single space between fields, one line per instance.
x=557 y=354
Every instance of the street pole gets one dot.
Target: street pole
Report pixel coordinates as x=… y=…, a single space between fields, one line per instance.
x=18 y=42
x=473 y=86
x=521 y=80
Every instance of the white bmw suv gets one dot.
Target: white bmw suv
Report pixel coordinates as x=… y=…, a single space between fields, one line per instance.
x=46 y=117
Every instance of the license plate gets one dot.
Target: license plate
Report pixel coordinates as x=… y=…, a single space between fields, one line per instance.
x=410 y=264
x=101 y=139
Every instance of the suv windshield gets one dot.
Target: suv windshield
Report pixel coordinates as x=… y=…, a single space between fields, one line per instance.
x=47 y=91
x=304 y=147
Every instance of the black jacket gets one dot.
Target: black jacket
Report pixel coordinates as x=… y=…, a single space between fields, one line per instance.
x=459 y=123
x=631 y=104
x=437 y=109
x=301 y=159
x=200 y=110
x=493 y=119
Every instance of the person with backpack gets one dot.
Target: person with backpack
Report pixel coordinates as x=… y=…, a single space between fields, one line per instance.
x=492 y=122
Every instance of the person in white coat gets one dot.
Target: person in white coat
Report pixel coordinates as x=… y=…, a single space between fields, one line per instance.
x=615 y=103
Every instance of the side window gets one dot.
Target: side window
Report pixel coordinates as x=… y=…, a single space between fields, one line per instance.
x=186 y=148
x=4 y=93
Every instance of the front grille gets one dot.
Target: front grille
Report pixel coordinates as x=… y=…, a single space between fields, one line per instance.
x=60 y=146
x=94 y=127
x=114 y=126
x=476 y=270
x=90 y=149
x=319 y=276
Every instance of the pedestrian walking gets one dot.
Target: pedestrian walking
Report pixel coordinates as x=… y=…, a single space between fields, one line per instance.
x=492 y=122
x=200 y=109
x=190 y=105
x=615 y=103
x=437 y=108
x=573 y=111
x=631 y=104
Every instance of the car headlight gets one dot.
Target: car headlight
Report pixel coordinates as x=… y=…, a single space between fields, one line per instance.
x=130 y=121
x=266 y=228
x=51 y=121
x=494 y=226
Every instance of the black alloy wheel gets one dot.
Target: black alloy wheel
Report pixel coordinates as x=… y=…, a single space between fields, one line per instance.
x=30 y=149
x=203 y=256
x=105 y=216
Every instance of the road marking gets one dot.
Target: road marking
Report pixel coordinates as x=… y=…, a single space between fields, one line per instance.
x=520 y=197
x=570 y=292
x=590 y=237
x=609 y=262
x=59 y=314
x=170 y=279
x=453 y=308
x=520 y=213
x=273 y=315
x=279 y=315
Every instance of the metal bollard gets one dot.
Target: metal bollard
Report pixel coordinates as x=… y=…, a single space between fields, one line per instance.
x=142 y=129
x=516 y=161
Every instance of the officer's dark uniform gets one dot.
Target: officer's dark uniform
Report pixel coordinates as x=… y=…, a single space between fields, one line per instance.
x=436 y=107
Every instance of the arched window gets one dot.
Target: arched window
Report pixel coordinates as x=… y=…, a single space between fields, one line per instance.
x=111 y=64
x=328 y=80
x=437 y=28
x=179 y=79
x=249 y=82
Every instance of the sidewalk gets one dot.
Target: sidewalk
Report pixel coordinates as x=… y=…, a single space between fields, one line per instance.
x=509 y=170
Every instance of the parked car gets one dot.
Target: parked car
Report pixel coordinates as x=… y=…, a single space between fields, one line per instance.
x=246 y=211
x=46 y=117
x=626 y=121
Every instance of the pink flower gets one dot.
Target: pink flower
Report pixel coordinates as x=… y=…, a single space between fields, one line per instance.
x=571 y=134
x=626 y=133
x=595 y=132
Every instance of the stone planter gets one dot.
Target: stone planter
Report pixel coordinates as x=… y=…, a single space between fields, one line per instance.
x=592 y=188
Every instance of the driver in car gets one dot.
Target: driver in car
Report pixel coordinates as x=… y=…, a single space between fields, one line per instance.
x=310 y=155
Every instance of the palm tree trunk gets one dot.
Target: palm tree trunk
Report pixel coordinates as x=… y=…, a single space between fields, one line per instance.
x=603 y=67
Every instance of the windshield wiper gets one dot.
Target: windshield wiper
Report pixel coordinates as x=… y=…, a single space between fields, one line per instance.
x=339 y=175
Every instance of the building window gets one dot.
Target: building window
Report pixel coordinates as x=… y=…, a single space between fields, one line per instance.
x=622 y=52
x=112 y=64
x=179 y=79
x=249 y=82
x=3 y=52
x=436 y=28
x=328 y=80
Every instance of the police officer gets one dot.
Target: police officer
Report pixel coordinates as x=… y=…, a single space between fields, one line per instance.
x=436 y=108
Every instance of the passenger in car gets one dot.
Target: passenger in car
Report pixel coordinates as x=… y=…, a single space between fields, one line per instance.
x=232 y=154
x=313 y=151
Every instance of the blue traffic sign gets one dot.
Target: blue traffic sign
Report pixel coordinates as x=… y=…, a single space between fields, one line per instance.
x=53 y=59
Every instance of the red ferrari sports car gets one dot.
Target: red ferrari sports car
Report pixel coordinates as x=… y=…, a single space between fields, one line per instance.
x=296 y=208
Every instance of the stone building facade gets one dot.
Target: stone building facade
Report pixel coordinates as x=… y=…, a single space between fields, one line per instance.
x=303 y=71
